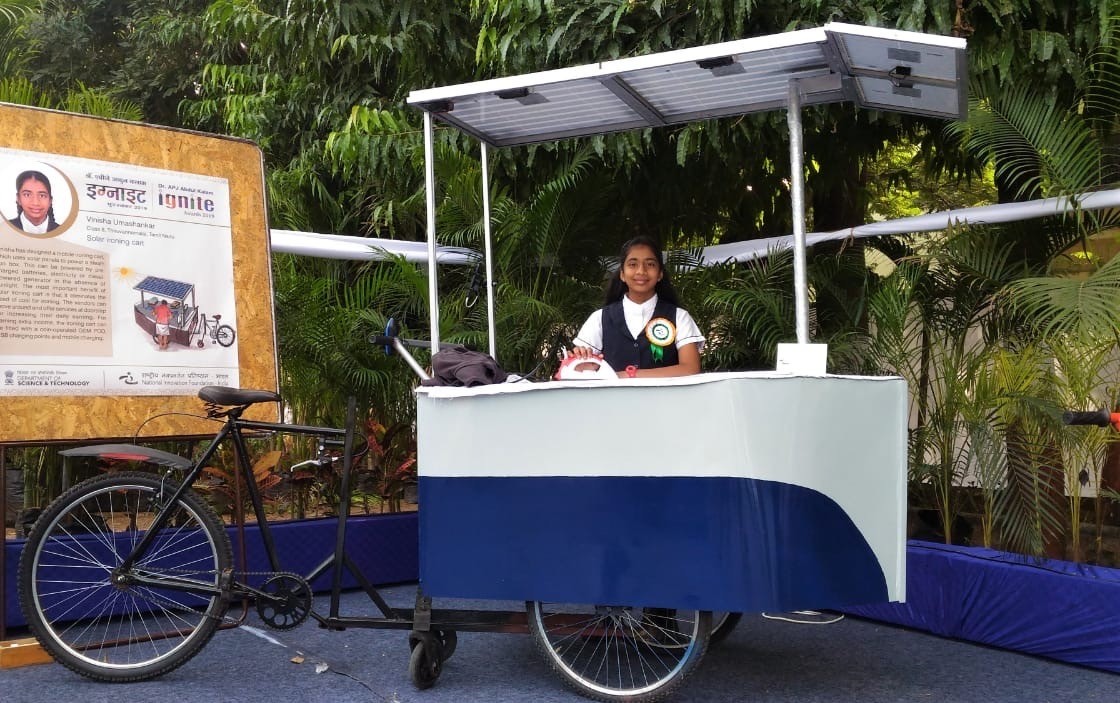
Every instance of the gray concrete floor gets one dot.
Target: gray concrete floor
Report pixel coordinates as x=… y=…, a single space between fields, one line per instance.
x=763 y=660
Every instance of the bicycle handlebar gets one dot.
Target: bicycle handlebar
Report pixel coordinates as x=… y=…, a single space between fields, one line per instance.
x=382 y=340
x=392 y=342
x=1097 y=418
x=392 y=335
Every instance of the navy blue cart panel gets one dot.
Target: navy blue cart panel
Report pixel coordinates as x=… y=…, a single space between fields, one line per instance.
x=715 y=543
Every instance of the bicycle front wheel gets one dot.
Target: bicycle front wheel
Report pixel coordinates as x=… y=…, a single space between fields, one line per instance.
x=95 y=617
x=617 y=653
x=225 y=335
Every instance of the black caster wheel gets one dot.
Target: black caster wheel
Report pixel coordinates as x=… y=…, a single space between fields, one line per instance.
x=722 y=625
x=426 y=662
x=448 y=641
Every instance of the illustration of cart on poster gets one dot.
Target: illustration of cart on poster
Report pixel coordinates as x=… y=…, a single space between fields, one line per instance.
x=186 y=318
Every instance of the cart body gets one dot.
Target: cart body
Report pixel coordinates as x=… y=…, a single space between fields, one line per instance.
x=727 y=491
x=180 y=295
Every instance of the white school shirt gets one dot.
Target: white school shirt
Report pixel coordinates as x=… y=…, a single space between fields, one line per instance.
x=637 y=317
x=29 y=228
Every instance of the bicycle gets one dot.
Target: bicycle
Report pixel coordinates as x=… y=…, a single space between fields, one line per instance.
x=217 y=332
x=126 y=576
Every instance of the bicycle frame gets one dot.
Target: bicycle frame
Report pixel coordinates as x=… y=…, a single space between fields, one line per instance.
x=421 y=618
x=233 y=428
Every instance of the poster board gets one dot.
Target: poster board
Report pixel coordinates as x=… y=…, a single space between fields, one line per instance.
x=134 y=269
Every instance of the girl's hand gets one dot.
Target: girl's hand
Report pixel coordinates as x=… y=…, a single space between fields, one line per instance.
x=584 y=353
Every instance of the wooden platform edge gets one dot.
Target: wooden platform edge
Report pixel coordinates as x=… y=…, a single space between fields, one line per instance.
x=25 y=652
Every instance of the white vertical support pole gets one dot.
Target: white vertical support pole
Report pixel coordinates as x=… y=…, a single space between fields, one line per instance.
x=797 y=196
x=430 y=196
x=488 y=252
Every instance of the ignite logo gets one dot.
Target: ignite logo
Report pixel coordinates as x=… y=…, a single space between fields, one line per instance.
x=9 y=377
x=188 y=203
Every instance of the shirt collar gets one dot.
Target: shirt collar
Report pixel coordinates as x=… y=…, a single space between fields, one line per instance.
x=646 y=307
x=34 y=229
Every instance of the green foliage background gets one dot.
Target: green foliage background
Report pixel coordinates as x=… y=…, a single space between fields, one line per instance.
x=974 y=319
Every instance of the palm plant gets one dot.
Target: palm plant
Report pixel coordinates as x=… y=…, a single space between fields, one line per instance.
x=326 y=312
x=921 y=333
x=1040 y=148
x=1025 y=475
x=549 y=256
x=12 y=54
x=934 y=322
x=1085 y=379
x=749 y=309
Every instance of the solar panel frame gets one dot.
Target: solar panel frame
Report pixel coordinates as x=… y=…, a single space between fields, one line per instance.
x=923 y=74
x=164 y=287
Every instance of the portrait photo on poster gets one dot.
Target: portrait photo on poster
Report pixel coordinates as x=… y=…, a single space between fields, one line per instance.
x=41 y=201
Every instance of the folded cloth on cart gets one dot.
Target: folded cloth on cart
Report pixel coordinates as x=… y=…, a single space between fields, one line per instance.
x=455 y=365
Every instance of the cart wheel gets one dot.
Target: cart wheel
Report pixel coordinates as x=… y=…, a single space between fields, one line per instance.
x=426 y=662
x=722 y=625
x=225 y=335
x=200 y=345
x=619 y=653
x=448 y=641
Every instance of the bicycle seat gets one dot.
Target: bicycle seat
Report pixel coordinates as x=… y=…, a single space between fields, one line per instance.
x=223 y=395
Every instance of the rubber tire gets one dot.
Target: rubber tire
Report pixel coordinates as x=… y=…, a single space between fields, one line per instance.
x=127 y=609
x=225 y=335
x=625 y=645
x=722 y=625
x=426 y=662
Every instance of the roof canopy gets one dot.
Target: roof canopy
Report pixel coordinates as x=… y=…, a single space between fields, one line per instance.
x=876 y=68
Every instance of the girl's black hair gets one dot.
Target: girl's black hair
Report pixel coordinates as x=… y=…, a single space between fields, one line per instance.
x=665 y=291
x=42 y=178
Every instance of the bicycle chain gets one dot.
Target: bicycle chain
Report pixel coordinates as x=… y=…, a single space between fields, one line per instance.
x=225 y=596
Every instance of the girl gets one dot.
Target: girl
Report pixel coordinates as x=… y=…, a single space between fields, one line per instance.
x=34 y=204
x=640 y=331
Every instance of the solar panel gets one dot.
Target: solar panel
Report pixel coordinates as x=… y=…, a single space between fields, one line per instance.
x=904 y=72
x=165 y=288
x=875 y=68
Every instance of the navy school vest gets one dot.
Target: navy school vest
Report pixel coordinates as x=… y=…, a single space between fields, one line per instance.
x=621 y=350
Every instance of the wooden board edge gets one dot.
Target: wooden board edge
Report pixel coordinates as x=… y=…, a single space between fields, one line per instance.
x=23 y=652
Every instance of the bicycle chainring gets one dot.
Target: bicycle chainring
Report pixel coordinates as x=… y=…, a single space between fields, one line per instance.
x=286 y=602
